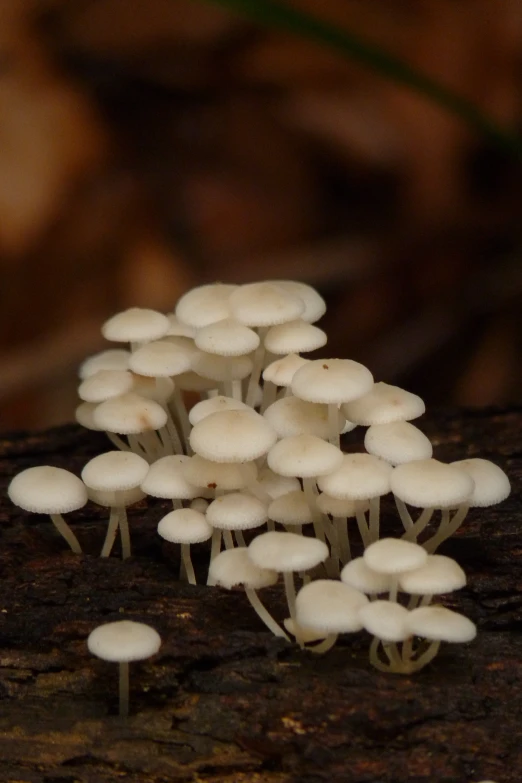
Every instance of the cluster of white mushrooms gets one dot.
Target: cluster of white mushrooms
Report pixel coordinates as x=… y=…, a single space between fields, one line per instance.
x=259 y=456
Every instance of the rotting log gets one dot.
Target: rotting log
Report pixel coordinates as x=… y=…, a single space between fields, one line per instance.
x=223 y=700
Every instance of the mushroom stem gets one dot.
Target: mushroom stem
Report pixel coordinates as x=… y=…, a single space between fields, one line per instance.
x=240 y=538
x=392 y=651
x=290 y=599
x=325 y=645
x=237 y=391
x=173 y=444
x=375 y=512
x=229 y=541
x=187 y=563
x=374 y=656
x=333 y=424
x=66 y=532
x=253 y=485
x=447 y=528
x=419 y=525
x=180 y=414
x=362 y=525
x=112 y=530
x=269 y=395
x=259 y=355
x=264 y=615
x=320 y=522
x=341 y=523
x=124 y=689
x=404 y=514
x=117 y=441
x=394 y=588
x=124 y=534
x=214 y=550
x=425 y=658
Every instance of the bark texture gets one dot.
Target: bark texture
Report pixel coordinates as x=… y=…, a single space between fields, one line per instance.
x=223 y=700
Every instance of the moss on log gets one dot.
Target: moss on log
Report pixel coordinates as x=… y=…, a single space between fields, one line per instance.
x=223 y=700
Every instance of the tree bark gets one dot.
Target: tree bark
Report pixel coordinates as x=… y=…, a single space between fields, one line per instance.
x=224 y=701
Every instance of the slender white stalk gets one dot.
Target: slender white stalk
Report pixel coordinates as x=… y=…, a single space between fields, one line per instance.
x=425 y=658
x=240 y=538
x=290 y=600
x=237 y=391
x=259 y=356
x=374 y=656
x=179 y=411
x=65 y=531
x=419 y=525
x=333 y=424
x=187 y=562
x=117 y=441
x=394 y=588
x=264 y=614
x=112 y=531
x=404 y=514
x=124 y=689
x=269 y=395
x=215 y=549
x=362 y=524
x=341 y=523
x=448 y=527
x=227 y=538
x=374 y=516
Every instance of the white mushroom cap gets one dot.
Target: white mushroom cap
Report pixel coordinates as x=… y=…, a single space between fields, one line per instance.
x=135 y=325
x=329 y=606
x=237 y=511
x=304 y=456
x=282 y=371
x=218 y=475
x=293 y=416
x=315 y=306
x=47 y=490
x=291 y=509
x=199 y=504
x=339 y=507
x=265 y=304
x=294 y=337
x=386 y=620
x=213 y=405
x=384 y=404
x=360 y=476
x=440 y=624
x=287 y=552
x=227 y=338
x=397 y=442
x=276 y=485
x=429 y=483
x=184 y=526
x=120 y=498
x=162 y=358
x=157 y=389
x=332 y=381
x=84 y=415
x=104 y=384
x=358 y=574
x=234 y=567
x=123 y=641
x=394 y=556
x=222 y=368
x=232 y=436
x=438 y=575
x=178 y=329
x=205 y=304
x=112 y=359
x=165 y=479
x=115 y=470
x=129 y=414
x=491 y=483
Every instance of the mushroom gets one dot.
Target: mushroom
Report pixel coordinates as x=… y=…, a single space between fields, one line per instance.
x=294 y=337
x=292 y=416
x=394 y=556
x=397 y=442
x=236 y=511
x=135 y=325
x=384 y=404
x=314 y=304
x=49 y=490
x=438 y=624
x=165 y=479
x=205 y=305
x=112 y=359
x=331 y=608
x=388 y=623
x=122 y=642
x=185 y=526
x=138 y=418
x=104 y=384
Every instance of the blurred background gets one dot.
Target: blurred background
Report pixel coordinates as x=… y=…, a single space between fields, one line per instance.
x=147 y=146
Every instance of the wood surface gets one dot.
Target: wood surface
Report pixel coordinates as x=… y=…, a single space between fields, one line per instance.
x=223 y=701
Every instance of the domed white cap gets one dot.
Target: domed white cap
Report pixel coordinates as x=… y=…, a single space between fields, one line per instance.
x=292 y=416
x=315 y=306
x=205 y=304
x=237 y=511
x=287 y=552
x=104 y=384
x=394 y=556
x=332 y=381
x=265 y=304
x=178 y=329
x=47 y=490
x=358 y=574
x=214 y=405
x=294 y=337
x=84 y=415
x=227 y=338
x=184 y=526
x=218 y=475
x=135 y=325
x=438 y=575
x=162 y=358
x=222 y=368
x=304 y=456
x=429 y=483
x=384 y=404
x=232 y=436
x=124 y=641
x=234 y=567
x=386 y=620
x=440 y=624
x=276 y=485
x=112 y=359
x=282 y=371
x=329 y=606
x=115 y=470
x=129 y=414
x=291 y=509
x=397 y=442
x=360 y=476
x=165 y=479
x=491 y=483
